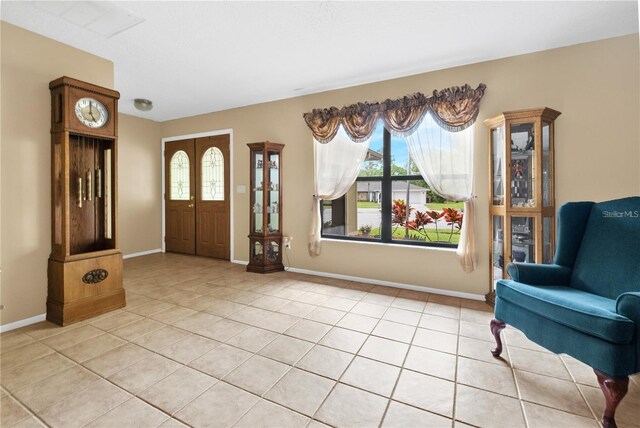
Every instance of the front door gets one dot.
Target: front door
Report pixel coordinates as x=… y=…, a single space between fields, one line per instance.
x=180 y=219
x=212 y=197
x=197 y=196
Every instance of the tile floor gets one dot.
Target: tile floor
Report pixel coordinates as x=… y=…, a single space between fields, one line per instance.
x=203 y=343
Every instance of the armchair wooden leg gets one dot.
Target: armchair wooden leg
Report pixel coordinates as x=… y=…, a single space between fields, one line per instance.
x=614 y=390
x=496 y=327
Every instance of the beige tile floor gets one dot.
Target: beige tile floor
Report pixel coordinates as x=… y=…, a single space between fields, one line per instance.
x=203 y=343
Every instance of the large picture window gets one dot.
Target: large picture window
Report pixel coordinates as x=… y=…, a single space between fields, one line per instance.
x=391 y=203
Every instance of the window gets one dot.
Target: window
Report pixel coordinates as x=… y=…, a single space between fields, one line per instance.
x=388 y=186
x=213 y=175
x=179 y=176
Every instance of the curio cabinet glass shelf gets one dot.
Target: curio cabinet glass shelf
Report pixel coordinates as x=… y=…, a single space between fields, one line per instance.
x=522 y=204
x=265 y=229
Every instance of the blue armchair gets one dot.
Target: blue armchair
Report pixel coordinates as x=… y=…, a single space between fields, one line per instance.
x=587 y=303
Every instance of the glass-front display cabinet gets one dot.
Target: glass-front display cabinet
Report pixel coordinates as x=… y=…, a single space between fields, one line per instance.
x=522 y=199
x=265 y=229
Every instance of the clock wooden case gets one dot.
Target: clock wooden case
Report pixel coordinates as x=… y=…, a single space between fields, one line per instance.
x=85 y=265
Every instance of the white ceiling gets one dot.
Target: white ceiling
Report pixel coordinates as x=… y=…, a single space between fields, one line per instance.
x=191 y=58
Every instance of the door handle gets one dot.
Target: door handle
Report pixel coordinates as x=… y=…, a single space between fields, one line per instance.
x=190 y=205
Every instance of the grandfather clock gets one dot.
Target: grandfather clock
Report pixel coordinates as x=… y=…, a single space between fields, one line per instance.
x=85 y=265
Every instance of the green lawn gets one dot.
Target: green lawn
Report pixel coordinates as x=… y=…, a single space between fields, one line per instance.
x=442 y=235
x=365 y=204
x=437 y=206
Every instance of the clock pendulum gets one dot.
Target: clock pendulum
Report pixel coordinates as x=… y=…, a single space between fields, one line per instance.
x=89 y=179
x=80 y=188
x=96 y=161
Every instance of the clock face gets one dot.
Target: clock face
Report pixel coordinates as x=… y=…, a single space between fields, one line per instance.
x=91 y=113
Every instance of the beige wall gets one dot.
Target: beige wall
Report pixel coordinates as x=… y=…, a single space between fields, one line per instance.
x=594 y=85
x=29 y=63
x=139 y=175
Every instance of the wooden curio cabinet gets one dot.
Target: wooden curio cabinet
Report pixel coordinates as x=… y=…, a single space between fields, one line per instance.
x=265 y=229
x=85 y=265
x=522 y=204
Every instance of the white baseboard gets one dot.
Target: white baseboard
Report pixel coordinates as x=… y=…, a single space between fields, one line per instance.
x=22 y=323
x=391 y=284
x=142 y=253
x=381 y=282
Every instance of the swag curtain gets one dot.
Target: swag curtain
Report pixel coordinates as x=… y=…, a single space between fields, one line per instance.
x=336 y=166
x=445 y=161
x=452 y=109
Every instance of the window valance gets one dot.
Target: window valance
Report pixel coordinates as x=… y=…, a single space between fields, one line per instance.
x=453 y=109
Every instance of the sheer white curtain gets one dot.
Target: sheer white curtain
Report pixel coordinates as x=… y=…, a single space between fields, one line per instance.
x=336 y=168
x=445 y=160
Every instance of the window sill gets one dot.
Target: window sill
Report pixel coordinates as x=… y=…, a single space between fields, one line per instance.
x=391 y=244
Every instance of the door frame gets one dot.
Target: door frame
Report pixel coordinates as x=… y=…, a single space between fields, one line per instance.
x=231 y=188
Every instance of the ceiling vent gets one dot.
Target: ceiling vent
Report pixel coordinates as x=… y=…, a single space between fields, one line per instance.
x=102 y=17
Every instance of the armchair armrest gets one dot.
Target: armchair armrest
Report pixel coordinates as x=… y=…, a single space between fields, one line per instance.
x=628 y=305
x=533 y=274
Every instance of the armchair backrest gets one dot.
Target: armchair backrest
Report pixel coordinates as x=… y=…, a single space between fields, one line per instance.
x=607 y=262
